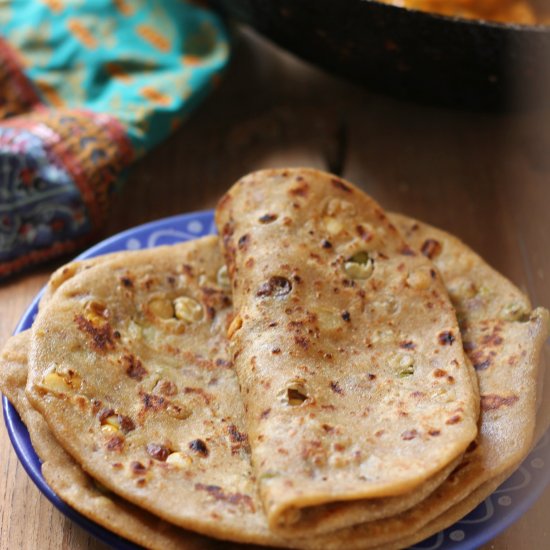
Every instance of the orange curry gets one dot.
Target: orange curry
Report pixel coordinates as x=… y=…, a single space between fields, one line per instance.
x=526 y=12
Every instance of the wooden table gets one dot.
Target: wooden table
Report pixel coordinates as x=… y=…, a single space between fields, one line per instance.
x=483 y=177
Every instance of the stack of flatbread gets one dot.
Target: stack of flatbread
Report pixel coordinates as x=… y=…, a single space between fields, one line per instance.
x=323 y=375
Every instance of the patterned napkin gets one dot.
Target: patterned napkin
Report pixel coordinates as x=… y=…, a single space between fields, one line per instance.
x=86 y=88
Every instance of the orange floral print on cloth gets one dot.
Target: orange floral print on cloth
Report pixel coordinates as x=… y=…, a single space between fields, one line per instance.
x=85 y=89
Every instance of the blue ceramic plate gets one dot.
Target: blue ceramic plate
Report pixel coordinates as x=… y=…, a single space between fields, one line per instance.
x=496 y=513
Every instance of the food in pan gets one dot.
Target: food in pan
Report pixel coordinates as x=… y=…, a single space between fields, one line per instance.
x=525 y=12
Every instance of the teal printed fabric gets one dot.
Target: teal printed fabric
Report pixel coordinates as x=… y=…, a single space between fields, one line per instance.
x=86 y=87
x=145 y=62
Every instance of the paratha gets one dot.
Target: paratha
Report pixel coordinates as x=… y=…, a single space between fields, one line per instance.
x=346 y=346
x=386 y=530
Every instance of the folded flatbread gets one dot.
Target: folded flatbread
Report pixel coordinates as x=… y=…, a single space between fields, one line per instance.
x=346 y=346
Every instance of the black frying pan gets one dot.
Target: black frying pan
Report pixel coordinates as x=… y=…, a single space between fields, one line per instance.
x=410 y=54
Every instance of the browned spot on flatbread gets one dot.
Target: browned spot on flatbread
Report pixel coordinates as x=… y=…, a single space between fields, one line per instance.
x=158 y=452
x=137 y=468
x=313 y=451
x=239 y=440
x=126 y=423
x=235 y=435
x=199 y=446
x=267 y=218
x=237 y=499
x=482 y=365
x=275 y=286
x=492 y=340
x=81 y=402
x=300 y=190
x=431 y=248
x=243 y=242
x=446 y=338
x=407 y=251
x=134 y=367
x=407 y=435
x=214 y=299
x=302 y=341
x=339 y=184
x=101 y=336
x=209 y=291
x=367 y=236
x=96 y=405
x=492 y=401
x=480 y=359
x=115 y=443
x=127 y=282
x=152 y=402
x=148 y=283
x=468 y=346
x=407 y=344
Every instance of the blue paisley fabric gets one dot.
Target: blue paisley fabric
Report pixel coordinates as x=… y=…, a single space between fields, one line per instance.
x=85 y=89
x=39 y=202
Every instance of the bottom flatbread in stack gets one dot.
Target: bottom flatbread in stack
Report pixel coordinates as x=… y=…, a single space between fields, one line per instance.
x=501 y=329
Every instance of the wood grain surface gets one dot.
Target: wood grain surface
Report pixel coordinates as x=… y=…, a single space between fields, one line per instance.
x=483 y=177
